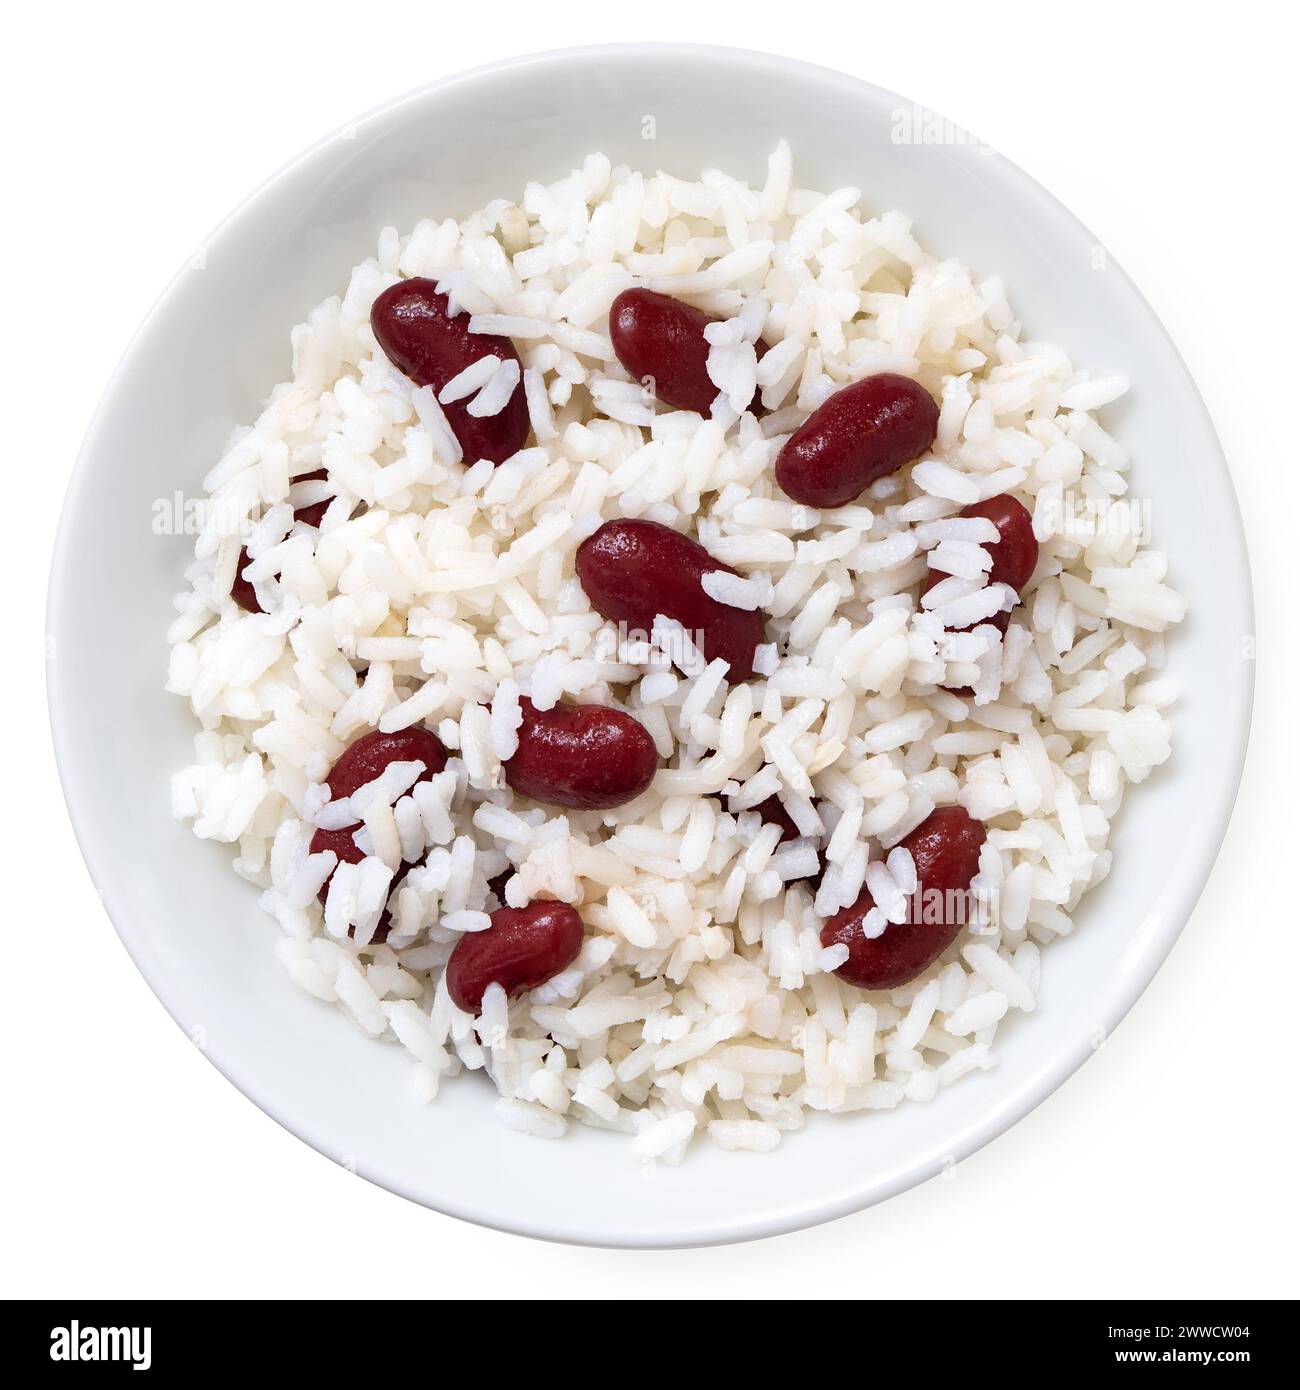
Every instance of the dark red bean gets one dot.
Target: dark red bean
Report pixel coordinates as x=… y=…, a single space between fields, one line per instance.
x=586 y=756
x=1015 y=553
x=945 y=848
x=429 y=344
x=660 y=340
x=856 y=436
x=999 y=620
x=633 y=570
x=523 y=948
x=241 y=590
x=362 y=762
x=312 y=513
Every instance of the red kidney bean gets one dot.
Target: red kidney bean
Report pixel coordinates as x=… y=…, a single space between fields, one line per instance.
x=945 y=848
x=856 y=436
x=362 y=762
x=241 y=590
x=998 y=620
x=429 y=344
x=661 y=340
x=312 y=513
x=523 y=948
x=1015 y=553
x=633 y=570
x=586 y=756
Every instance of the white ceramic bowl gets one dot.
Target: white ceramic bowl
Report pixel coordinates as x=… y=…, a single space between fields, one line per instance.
x=201 y=365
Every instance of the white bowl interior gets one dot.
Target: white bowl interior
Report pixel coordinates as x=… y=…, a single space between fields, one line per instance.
x=202 y=364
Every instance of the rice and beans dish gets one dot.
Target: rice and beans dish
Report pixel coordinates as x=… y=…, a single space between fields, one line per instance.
x=677 y=648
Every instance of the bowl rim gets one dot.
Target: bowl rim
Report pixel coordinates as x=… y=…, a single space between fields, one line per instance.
x=964 y=1142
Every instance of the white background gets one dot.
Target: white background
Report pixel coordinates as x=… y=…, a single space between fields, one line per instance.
x=1167 y=1167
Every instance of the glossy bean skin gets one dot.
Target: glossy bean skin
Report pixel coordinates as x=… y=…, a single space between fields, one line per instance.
x=860 y=434
x=661 y=339
x=1015 y=551
x=588 y=757
x=430 y=345
x=523 y=948
x=945 y=848
x=362 y=762
x=242 y=590
x=1015 y=554
x=632 y=570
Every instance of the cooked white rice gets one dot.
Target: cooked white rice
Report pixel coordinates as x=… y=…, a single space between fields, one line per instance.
x=701 y=1003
